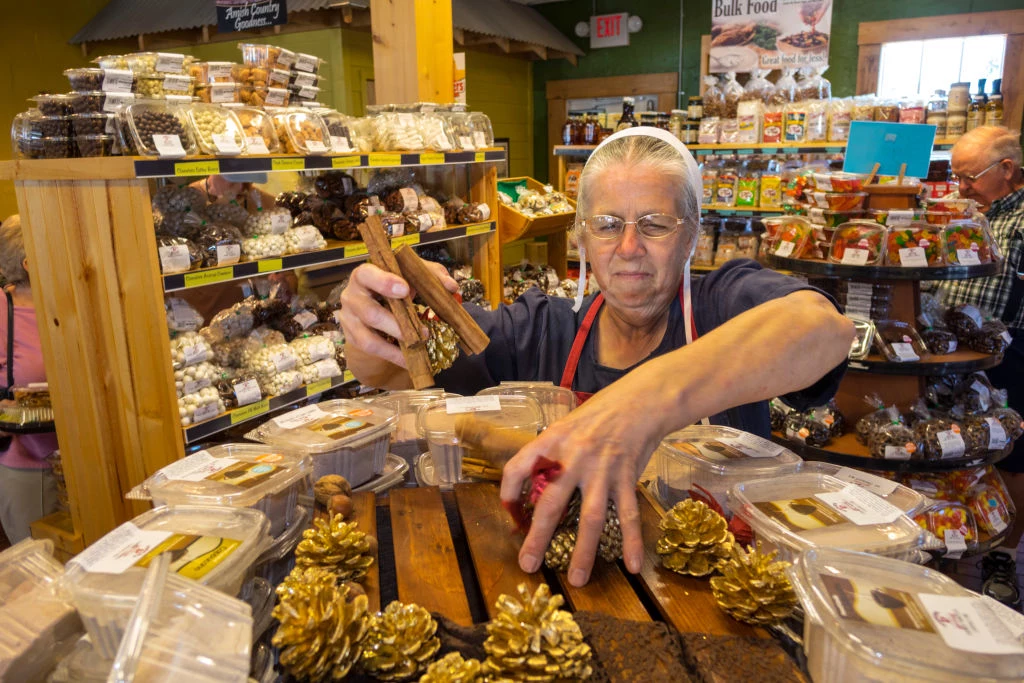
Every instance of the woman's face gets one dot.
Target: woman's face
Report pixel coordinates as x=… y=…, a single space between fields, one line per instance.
x=639 y=277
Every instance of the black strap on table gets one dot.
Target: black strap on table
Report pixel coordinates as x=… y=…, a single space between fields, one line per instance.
x=10 y=345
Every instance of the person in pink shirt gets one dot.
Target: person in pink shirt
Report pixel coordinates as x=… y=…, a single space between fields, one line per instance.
x=28 y=489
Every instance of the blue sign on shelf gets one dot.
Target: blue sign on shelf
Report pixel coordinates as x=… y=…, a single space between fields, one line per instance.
x=891 y=145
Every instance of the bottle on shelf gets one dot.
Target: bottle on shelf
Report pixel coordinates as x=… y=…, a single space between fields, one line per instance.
x=676 y=122
x=994 y=108
x=568 y=130
x=976 y=110
x=627 y=120
x=937 y=113
x=590 y=128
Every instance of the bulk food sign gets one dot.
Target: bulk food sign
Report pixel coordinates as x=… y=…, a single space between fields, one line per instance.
x=246 y=15
x=769 y=34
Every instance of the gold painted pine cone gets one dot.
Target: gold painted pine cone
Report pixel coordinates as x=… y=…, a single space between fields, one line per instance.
x=442 y=343
x=694 y=539
x=400 y=642
x=338 y=546
x=300 y=577
x=563 y=543
x=753 y=587
x=452 y=668
x=531 y=639
x=321 y=630
x=559 y=551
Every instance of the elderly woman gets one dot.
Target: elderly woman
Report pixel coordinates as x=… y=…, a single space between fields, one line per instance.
x=656 y=352
x=28 y=490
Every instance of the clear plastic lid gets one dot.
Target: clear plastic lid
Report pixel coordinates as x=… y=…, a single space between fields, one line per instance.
x=216 y=129
x=914 y=244
x=903 y=621
x=903 y=497
x=436 y=420
x=858 y=243
x=306 y=62
x=219 y=93
x=967 y=243
x=838 y=182
x=213 y=72
x=302 y=132
x=483 y=133
x=258 y=127
x=234 y=475
x=729 y=452
x=958 y=208
x=159 y=129
x=326 y=427
x=53 y=105
x=555 y=401
x=899 y=341
x=106 y=80
x=156 y=63
x=804 y=510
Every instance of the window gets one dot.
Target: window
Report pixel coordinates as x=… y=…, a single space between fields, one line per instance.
x=924 y=66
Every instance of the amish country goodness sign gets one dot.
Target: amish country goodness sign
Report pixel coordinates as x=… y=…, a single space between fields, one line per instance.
x=769 y=34
x=246 y=15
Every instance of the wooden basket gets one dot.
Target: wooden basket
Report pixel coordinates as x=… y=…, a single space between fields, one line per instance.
x=513 y=225
x=891 y=196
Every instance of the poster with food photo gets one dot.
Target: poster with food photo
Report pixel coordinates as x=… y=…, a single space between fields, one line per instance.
x=769 y=34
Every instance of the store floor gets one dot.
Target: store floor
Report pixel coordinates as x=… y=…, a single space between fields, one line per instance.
x=967 y=572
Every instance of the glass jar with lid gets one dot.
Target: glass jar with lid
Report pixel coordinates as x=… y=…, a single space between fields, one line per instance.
x=695 y=110
x=959 y=97
x=676 y=121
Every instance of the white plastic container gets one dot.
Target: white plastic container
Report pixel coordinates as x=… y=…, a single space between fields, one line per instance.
x=277 y=561
x=903 y=497
x=405 y=441
x=233 y=475
x=36 y=627
x=103 y=581
x=343 y=437
x=704 y=462
x=795 y=512
x=870 y=618
x=556 y=402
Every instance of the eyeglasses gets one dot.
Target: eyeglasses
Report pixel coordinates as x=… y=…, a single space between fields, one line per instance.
x=960 y=177
x=653 y=226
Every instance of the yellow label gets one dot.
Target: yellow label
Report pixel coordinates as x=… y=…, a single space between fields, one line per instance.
x=252 y=410
x=478 y=229
x=432 y=158
x=288 y=164
x=318 y=387
x=480 y=156
x=189 y=168
x=386 y=159
x=346 y=162
x=193 y=556
x=348 y=376
x=352 y=250
x=268 y=265
x=208 y=277
x=405 y=239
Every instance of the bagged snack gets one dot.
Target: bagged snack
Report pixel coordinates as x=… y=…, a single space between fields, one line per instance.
x=882 y=415
x=785 y=88
x=840 y=113
x=770 y=191
x=973 y=395
x=805 y=428
x=986 y=433
x=777 y=412
x=729 y=131
x=708 y=133
x=725 y=187
x=814 y=86
x=939 y=342
x=993 y=338
x=965 y=320
x=714 y=99
x=748 y=120
x=182 y=316
x=795 y=126
x=746 y=189
x=773 y=123
x=863 y=108
x=708 y=176
x=894 y=441
x=732 y=92
x=817 y=121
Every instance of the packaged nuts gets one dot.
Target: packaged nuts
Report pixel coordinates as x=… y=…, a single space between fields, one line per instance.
x=95 y=145
x=167 y=84
x=217 y=129
x=159 y=129
x=53 y=105
x=155 y=63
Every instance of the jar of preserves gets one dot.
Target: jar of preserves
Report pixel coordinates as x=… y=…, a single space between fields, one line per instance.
x=676 y=121
x=959 y=97
x=695 y=110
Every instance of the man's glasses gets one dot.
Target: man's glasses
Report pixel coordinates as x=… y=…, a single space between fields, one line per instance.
x=960 y=177
x=653 y=226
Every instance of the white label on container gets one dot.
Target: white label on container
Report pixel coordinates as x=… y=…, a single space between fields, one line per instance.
x=228 y=254
x=304 y=78
x=300 y=417
x=256 y=144
x=966 y=623
x=855 y=257
x=899 y=217
x=216 y=70
x=280 y=222
x=339 y=143
x=278 y=77
x=275 y=96
x=1011 y=618
x=877 y=485
x=913 y=257
x=174 y=258
x=472 y=404
x=118 y=80
x=247 y=392
x=466 y=141
x=860 y=507
x=196 y=353
x=967 y=257
x=995 y=518
x=119 y=550
x=479 y=139
x=307 y=92
x=283 y=360
x=206 y=412
x=859 y=288
x=194 y=386
x=904 y=351
x=785 y=249
x=226 y=143
x=115 y=101
x=316 y=146
x=406 y=119
x=168 y=146
x=951 y=444
x=168 y=62
x=304 y=62
x=410 y=202
x=996 y=434
x=196 y=467
x=956 y=546
x=176 y=83
x=896 y=453
x=305 y=319
x=183 y=317
x=222 y=92
x=326 y=368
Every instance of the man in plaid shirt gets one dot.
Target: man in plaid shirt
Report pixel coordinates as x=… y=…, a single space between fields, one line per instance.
x=987 y=165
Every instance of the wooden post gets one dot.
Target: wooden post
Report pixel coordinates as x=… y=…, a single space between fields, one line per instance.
x=412 y=50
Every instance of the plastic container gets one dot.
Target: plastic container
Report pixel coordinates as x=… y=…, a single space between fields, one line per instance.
x=302 y=132
x=92 y=124
x=152 y=64
x=899 y=341
x=306 y=62
x=213 y=72
x=233 y=475
x=704 y=462
x=876 y=619
x=858 y=243
x=405 y=440
x=941 y=517
x=56 y=148
x=966 y=243
x=95 y=145
x=343 y=437
x=99 y=102
x=258 y=594
x=555 y=401
x=106 y=80
x=265 y=97
x=217 y=130
x=219 y=93
x=159 y=129
x=840 y=201
x=914 y=245
x=36 y=627
x=942 y=211
x=161 y=86
x=833 y=219
x=269 y=56
x=483 y=133
x=905 y=498
x=53 y=105
x=304 y=93
x=279 y=559
x=260 y=135
x=436 y=422
x=786 y=513
x=838 y=182
x=793 y=237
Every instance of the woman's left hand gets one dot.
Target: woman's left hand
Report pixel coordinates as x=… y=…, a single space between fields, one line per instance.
x=602 y=450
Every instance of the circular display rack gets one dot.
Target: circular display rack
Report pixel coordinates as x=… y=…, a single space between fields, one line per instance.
x=956 y=363
x=827 y=269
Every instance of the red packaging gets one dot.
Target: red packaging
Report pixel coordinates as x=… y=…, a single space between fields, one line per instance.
x=772 y=130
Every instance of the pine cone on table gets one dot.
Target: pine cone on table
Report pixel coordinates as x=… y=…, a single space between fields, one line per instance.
x=339 y=547
x=400 y=643
x=560 y=550
x=609 y=546
x=753 y=587
x=452 y=668
x=694 y=539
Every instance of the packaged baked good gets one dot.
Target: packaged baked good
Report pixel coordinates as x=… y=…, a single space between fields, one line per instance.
x=301 y=131
x=259 y=131
x=857 y=243
x=993 y=338
x=898 y=341
x=916 y=245
x=895 y=441
x=264 y=97
x=159 y=129
x=939 y=342
x=964 y=319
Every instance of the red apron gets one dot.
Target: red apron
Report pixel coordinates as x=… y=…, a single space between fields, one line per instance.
x=569 y=373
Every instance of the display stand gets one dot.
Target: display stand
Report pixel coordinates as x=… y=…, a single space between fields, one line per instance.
x=513 y=226
x=99 y=299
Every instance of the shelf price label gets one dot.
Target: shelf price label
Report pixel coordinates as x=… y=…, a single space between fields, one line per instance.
x=432 y=158
x=480 y=156
x=346 y=162
x=209 y=277
x=386 y=159
x=744 y=151
x=192 y=168
x=288 y=164
x=478 y=229
x=353 y=250
x=318 y=387
x=269 y=265
x=405 y=239
x=250 y=411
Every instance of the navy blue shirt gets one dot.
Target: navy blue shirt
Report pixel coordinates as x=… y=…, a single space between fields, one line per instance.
x=531 y=340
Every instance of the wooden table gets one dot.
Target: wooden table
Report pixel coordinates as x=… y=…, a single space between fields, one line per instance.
x=457 y=561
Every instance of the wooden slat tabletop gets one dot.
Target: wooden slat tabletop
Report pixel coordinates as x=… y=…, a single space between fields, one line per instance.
x=365 y=513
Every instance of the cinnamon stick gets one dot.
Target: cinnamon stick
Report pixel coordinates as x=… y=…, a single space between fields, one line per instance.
x=472 y=339
x=413 y=342
x=485 y=441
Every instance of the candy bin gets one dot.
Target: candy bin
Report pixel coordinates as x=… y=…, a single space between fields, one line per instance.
x=943 y=211
x=990 y=511
x=857 y=243
x=916 y=245
x=833 y=219
x=793 y=237
x=953 y=524
x=967 y=243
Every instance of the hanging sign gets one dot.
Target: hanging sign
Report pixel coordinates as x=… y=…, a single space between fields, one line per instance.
x=609 y=30
x=769 y=34
x=246 y=15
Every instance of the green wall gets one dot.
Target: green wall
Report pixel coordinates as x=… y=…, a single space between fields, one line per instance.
x=656 y=48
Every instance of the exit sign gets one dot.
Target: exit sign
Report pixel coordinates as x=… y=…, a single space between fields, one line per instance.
x=609 y=30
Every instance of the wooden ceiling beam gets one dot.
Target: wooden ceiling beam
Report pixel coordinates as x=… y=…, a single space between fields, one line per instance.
x=539 y=50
